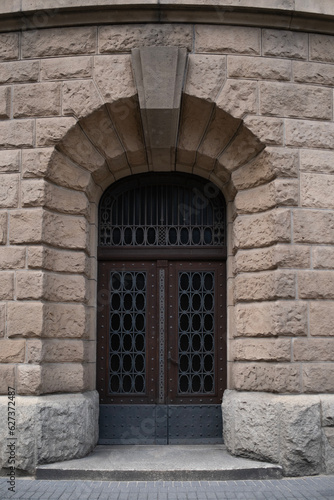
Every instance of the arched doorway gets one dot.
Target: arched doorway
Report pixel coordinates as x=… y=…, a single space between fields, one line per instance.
x=161 y=345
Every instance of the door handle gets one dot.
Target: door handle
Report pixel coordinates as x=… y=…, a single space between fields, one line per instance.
x=169 y=358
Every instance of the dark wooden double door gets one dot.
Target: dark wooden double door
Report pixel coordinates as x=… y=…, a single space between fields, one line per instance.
x=161 y=368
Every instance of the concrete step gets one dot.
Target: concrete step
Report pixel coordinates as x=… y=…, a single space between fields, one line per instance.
x=160 y=463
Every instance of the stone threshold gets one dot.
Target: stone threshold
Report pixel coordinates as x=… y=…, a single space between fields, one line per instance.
x=160 y=463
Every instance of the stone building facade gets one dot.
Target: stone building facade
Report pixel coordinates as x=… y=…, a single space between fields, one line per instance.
x=242 y=97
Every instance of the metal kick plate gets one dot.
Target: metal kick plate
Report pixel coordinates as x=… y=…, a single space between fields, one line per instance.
x=160 y=424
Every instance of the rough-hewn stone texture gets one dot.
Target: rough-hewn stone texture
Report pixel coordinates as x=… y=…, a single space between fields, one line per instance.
x=65 y=68
x=65 y=321
x=313 y=226
x=19 y=72
x=316 y=284
x=80 y=98
x=56 y=260
x=317 y=161
x=10 y=161
x=321 y=48
x=9 y=188
x=323 y=257
x=267 y=377
x=16 y=134
x=37 y=99
x=29 y=380
x=272 y=257
x=319 y=73
x=49 y=131
x=239 y=98
x=317 y=191
x=258 y=68
x=6 y=285
x=29 y=285
x=227 y=40
x=285 y=44
x=313 y=350
x=261 y=350
x=26 y=226
x=12 y=351
x=309 y=134
x=268 y=130
x=58 y=42
x=2 y=320
x=322 y=318
x=265 y=286
x=206 y=75
x=24 y=319
x=9 y=46
x=12 y=257
x=318 y=377
x=7 y=379
x=5 y=103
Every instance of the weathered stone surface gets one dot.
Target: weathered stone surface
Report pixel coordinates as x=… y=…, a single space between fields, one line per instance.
x=327 y=410
x=318 y=377
x=300 y=101
x=322 y=318
x=9 y=187
x=17 y=133
x=268 y=130
x=261 y=350
x=285 y=44
x=110 y=73
x=6 y=285
x=29 y=285
x=34 y=351
x=292 y=256
x=19 y=72
x=25 y=319
x=9 y=161
x=265 y=286
x=317 y=191
x=309 y=134
x=5 y=103
x=252 y=231
x=257 y=199
x=313 y=350
x=65 y=321
x=29 y=380
x=12 y=351
x=323 y=257
x=7 y=379
x=123 y=38
x=67 y=201
x=49 y=131
x=313 y=226
x=239 y=98
x=316 y=284
x=65 y=288
x=322 y=74
x=3 y=228
x=206 y=75
x=26 y=226
x=63 y=377
x=66 y=67
x=65 y=231
x=258 y=68
x=317 y=161
x=9 y=46
x=58 y=42
x=321 y=48
x=65 y=173
x=12 y=257
x=79 y=149
x=2 y=320
x=272 y=257
x=56 y=260
x=328 y=450
x=266 y=377
x=227 y=39
x=37 y=99
x=35 y=162
x=64 y=351
x=281 y=318
x=80 y=98
x=33 y=193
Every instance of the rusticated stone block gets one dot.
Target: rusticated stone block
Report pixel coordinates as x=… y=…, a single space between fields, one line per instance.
x=58 y=42
x=227 y=39
x=66 y=67
x=29 y=380
x=323 y=257
x=12 y=257
x=327 y=410
x=282 y=99
x=63 y=377
x=25 y=319
x=258 y=68
x=309 y=134
x=285 y=44
x=49 y=131
x=252 y=231
x=292 y=256
x=37 y=99
x=65 y=173
x=261 y=350
x=6 y=285
x=313 y=350
x=9 y=187
x=268 y=130
x=3 y=228
x=322 y=318
x=33 y=193
x=317 y=161
x=318 y=377
x=265 y=286
x=80 y=98
x=9 y=161
x=313 y=226
x=321 y=48
x=54 y=260
x=26 y=226
x=5 y=102
x=110 y=73
x=281 y=318
x=7 y=378
x=12 y=351
x=322 y=74
x=19 y=72
x=66 y=321
x=316 y=284
x=17 y=134
x=282 y=192
x=205 y=75
x=29 y=285
x=2 y=320
x=123 y=38
x=266 y=377
x=65 y=231
x=317 y=191
x=66 y=200
x=262 y=259
x=239 y=97
x=64 y=351
x=65 y=288
x=34 y=351
x=35 y=162
x=9 y=46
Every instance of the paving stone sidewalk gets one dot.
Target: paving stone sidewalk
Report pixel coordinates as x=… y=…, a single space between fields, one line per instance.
x=307 y=488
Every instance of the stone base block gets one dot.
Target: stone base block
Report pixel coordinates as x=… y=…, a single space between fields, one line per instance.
x=295 y=431
x=49 y=428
